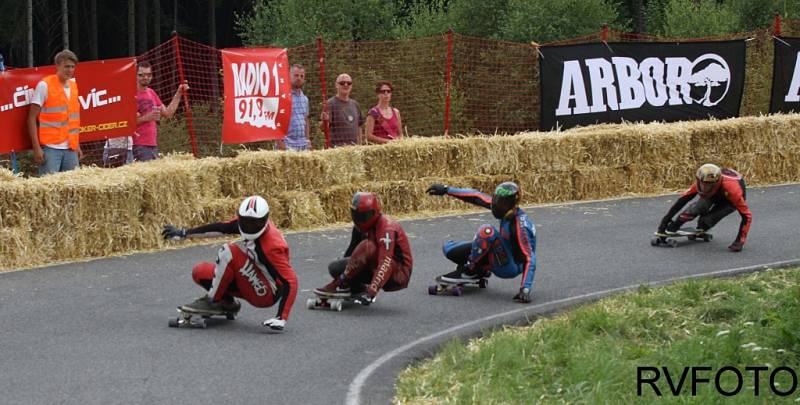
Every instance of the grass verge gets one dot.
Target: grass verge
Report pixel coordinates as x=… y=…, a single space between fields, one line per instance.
x=591 y=354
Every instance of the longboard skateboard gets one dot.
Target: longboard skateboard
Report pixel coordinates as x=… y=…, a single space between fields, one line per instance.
x=325 y=301
x=187 y=319
x=671 y=240
x=455 y=288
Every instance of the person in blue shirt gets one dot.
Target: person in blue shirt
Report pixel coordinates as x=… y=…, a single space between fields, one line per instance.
x=505 y=251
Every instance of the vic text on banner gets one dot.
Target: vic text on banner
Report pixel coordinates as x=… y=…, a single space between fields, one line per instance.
x=107 y=97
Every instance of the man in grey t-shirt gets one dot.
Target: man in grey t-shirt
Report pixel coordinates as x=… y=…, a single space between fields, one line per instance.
x=344 y=114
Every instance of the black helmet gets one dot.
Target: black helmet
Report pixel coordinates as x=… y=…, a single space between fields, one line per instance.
x=505 y=198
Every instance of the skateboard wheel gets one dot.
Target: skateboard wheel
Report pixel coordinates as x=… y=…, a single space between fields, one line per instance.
x=483 y=283
x=654 y=241
x=457 y=291
x=432 y=289
x=672 y=242
x=230 y=317
x=691 y=237
x=202 y=322
x=311 y=303
x=708 y=238
x=336 y=306
x=174 y=322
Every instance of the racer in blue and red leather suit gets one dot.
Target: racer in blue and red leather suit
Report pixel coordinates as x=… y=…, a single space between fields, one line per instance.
x=506 y=251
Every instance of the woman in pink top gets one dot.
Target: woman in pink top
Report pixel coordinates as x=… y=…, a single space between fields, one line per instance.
x=383 y=121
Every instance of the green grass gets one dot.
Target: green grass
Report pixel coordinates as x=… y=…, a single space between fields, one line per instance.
x=590 y=355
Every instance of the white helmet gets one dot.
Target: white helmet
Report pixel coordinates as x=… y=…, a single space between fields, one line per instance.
x=253 y=215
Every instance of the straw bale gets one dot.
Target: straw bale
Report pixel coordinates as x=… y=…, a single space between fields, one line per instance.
x=538 y=151
x=14 y=246
x=546 y=185
x=219 y=209
x=593 y=182
x=269 y=172
x=300 y=209
x=409 y=159
x=658 y=177
x=768 y=167
x=6 y=175
x=335 y=201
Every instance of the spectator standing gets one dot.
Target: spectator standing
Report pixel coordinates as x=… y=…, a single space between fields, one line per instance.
x=298 y=135
x=383 y=121
x=343 y=114
x=54 y=118
x=150 y=109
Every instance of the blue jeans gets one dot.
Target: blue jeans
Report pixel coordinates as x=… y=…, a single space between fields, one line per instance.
x=143 y=153
x=58 y=160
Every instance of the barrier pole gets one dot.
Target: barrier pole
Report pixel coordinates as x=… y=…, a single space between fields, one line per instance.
x=187 y=111
x=776 y=25
x=325 y=124
x=447 y=82
x=604 y=33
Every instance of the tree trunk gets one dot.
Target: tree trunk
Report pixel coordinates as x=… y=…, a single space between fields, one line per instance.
x=212 y=23
x=93 y=30
x=141 y=29
x=157 y=22
x=64 y=24
x=73 y=27
x=29 y=23
x=131 y=27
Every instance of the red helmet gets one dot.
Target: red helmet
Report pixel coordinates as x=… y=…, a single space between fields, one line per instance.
x=365 y=210
x=709 y=179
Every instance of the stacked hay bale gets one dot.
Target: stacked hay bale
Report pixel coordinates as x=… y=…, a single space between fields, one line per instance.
x=94 y=212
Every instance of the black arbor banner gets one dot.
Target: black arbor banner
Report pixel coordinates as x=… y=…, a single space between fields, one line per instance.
x=610 y=82
x=785 y=76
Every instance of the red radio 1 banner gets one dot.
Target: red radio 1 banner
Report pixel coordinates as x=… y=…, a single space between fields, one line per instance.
x=107 y=90
x=258 y=99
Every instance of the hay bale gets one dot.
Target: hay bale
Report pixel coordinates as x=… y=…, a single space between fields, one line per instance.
x=301 y=209
x=14 y=247
x=6 y=175
x=594 y=182
x=273 y=172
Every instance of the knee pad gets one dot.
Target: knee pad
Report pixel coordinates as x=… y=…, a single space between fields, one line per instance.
x=203 y=273
x=336 y=267
x=457 y=251
x=482 y=244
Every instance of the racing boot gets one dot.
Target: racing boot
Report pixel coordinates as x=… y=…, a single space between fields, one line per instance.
x=336 y=288
x=461 y=273
x=230 y=305
x=203 y=305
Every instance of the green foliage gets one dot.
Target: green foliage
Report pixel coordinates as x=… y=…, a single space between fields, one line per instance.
x=697 y=18
x=545 y=21
x=469 y=17
x=590 y=354
x=302 y=21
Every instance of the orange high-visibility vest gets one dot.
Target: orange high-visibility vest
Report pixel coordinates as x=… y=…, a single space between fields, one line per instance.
x=59 y=119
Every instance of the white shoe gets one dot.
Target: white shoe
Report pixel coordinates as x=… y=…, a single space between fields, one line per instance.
x=275 y=324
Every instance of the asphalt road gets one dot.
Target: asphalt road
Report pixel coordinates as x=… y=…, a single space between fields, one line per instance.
x=96 y=332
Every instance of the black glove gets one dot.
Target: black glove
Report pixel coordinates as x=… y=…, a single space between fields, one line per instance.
x=437 y=189
x=173 y=232
x=736 y=246
x=523 y=296
x=364 y=299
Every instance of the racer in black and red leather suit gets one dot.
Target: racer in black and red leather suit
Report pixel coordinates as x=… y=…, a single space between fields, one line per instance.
x=716 y=201
x=378 y=257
